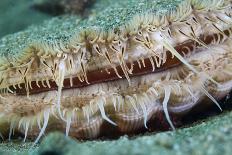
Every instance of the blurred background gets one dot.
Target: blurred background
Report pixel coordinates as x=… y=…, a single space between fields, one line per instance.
x=16 y=15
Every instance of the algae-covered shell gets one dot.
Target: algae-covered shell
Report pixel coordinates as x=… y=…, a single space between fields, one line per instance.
x=114 y=71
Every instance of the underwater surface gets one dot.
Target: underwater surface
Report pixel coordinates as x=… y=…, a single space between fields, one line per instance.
x=202 y=133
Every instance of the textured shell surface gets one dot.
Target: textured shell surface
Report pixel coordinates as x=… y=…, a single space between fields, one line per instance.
x=117 y=70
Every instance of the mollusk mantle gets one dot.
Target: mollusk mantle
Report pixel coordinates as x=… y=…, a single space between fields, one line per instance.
x=122 y=67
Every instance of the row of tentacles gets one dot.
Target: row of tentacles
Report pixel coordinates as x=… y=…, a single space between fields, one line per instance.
x=153 y=34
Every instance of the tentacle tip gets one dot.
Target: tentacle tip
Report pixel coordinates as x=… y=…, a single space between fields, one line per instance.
x=145 y=125
x=173 y=128
x=220 y=108
x=113 y=123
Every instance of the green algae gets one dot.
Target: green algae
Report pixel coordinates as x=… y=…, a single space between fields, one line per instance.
x=105 y=15
x=108 y=15
x=59 y=28
x=17 y=147
x=210 y=136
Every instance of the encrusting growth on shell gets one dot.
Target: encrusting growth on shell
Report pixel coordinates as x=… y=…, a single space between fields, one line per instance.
x=156 y=62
